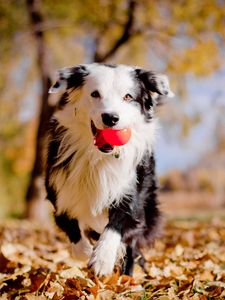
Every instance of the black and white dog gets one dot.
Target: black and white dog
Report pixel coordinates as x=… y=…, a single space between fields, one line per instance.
x=105 y=198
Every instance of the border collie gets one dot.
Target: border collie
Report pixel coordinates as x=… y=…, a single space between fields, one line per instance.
x=105 y=197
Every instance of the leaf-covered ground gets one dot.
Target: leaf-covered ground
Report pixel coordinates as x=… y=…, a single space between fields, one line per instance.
x=187 y=262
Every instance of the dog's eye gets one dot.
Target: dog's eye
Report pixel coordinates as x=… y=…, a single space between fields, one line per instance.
x=127 y=97
x=95 y=94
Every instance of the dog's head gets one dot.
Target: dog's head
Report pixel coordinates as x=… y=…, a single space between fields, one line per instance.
x=111 y=96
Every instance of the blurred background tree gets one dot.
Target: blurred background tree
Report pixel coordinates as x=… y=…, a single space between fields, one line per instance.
x=184 y=39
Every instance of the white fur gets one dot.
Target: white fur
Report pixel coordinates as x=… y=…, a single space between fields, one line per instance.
x=96 y=179
x=106 y=252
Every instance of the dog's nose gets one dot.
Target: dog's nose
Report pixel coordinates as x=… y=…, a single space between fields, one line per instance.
x=110 y=120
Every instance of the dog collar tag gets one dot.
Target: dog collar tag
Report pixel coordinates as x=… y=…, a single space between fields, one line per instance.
x=116 y=154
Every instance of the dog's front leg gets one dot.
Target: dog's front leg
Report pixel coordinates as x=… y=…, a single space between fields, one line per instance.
x=105 y=252
x=110 y=246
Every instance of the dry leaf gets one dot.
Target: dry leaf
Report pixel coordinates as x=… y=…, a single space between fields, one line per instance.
x=71 y=272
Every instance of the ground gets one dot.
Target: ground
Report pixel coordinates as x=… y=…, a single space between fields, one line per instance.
x=187 y=262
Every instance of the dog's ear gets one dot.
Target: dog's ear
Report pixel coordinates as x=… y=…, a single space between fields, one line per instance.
x=72 y=77
x=157 y=84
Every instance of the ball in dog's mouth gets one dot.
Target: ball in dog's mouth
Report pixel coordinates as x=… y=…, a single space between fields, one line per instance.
x=106 y=139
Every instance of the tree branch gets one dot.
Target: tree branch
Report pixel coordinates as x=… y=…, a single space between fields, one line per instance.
x=128 y=32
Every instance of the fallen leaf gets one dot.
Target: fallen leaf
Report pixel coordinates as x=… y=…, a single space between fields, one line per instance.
x=71 y=272
x=3 y=263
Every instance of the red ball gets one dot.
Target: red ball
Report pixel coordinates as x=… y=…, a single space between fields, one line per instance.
x=116 y=137
x=113 y=137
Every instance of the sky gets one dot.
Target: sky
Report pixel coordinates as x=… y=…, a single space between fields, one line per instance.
x=206 y=96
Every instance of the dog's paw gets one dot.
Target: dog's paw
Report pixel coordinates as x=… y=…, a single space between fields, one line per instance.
x=102 y=264
x=105 y=253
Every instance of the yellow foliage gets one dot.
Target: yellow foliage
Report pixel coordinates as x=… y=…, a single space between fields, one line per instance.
x=201 y=59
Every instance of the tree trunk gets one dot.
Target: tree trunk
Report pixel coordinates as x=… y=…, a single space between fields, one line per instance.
x=35 y=204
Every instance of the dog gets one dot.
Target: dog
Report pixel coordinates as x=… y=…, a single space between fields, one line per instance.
x=105 y=198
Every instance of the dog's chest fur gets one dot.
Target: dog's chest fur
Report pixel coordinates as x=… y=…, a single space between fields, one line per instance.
x=93 y=183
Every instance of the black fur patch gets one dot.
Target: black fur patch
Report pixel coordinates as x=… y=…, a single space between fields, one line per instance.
x=65 y=164
x=56 y=134
x=143 y=97
x=149 y=80
x=128 y=262
x=51 y=192
x=147 y=189
x=155 y=83
x=63 y=101
x=77 y=77
x=69 y=226
x=92 y=235
x=56 y=85
x=122 y=216
x=74 y=80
